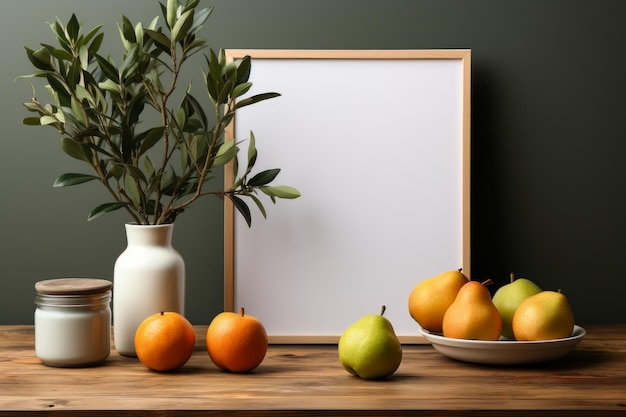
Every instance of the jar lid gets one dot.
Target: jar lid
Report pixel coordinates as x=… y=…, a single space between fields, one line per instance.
x=78 y=286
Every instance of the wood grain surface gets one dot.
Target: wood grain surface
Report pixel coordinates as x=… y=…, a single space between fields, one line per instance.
x=309 y=380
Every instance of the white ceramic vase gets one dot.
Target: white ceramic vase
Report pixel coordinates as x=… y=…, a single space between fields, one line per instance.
x=149 y=277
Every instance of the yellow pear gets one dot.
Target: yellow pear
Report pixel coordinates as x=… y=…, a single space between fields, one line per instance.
x=473 y=315
x=430 y=299
x=544 y=316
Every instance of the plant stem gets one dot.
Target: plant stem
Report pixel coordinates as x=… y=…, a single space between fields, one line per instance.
x=162 y=216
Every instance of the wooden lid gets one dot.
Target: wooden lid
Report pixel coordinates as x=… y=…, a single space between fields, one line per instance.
x=78 y=286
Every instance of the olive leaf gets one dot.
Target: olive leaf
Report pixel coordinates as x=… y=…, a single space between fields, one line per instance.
x=66 y=180
x=242 y=208
x=281 y=191
x=264 y=177
x=105 y=208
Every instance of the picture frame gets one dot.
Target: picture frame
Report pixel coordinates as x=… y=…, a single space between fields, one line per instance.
x=378 y=144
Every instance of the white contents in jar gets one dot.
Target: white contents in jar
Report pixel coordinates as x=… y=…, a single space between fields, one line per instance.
x=73 y=322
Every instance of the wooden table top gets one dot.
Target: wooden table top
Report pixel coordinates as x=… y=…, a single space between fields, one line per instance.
x=309 y=380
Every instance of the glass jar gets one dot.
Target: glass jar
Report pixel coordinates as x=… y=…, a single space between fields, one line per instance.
x=73 y=321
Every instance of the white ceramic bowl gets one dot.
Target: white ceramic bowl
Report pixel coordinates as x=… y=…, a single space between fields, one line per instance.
x=504 y=352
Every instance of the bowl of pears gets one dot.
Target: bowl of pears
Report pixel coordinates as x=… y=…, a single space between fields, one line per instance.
x=521 y=324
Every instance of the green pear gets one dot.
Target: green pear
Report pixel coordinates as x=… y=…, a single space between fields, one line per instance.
x=509 y=297
x=369 y=347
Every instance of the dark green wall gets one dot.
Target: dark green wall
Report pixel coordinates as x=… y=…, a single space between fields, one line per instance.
x=548 y=140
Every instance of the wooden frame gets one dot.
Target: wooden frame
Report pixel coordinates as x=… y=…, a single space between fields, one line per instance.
x=382 y=208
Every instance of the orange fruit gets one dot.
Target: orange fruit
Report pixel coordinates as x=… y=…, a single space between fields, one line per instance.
x=165 y=341
x=236 y=342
